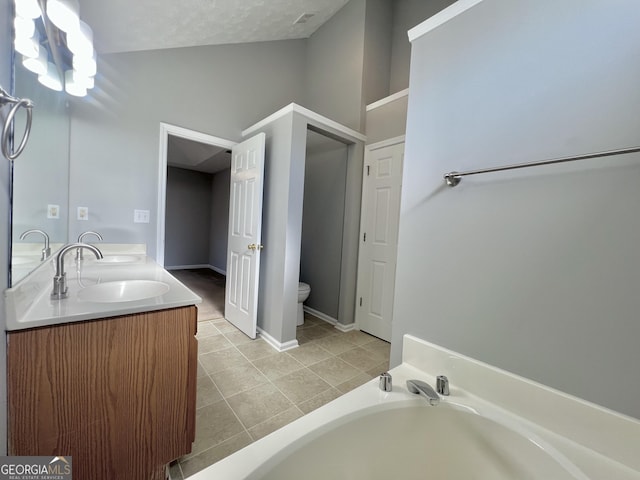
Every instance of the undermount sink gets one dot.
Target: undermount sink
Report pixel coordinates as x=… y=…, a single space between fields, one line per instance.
x=123 y=291
x=113 y=259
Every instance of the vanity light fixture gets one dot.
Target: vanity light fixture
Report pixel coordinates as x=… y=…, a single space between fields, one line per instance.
x=55 y=44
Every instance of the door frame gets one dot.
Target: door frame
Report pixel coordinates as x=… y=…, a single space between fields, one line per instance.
x=167 y=129
x=367 y=151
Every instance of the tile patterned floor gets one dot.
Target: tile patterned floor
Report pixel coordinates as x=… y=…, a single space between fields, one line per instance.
x=246 y=389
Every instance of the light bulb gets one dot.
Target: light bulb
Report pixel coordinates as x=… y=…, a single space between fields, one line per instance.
x=64 y=14
x=72 y=86
x=51 y=79
x=27 y=8
x=80 y=41
x=24 y=27
x=37 y=65
x=85 y=65
x=28 y=46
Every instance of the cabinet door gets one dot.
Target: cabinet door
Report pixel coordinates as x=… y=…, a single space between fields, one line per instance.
x=118 y=394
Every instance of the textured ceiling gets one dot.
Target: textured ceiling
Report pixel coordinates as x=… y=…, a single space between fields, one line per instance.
x=130 y=25
x=193 y=155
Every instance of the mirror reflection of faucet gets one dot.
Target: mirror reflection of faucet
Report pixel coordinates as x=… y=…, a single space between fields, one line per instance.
x=46 y=251
x=79 y=253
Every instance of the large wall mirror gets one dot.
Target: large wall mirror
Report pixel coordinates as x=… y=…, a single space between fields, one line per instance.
x=40 y=174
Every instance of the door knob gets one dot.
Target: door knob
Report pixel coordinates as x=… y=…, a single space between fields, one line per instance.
x=253 y=246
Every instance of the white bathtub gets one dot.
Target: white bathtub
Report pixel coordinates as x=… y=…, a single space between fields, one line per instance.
x=417 y=442
x=369 y=434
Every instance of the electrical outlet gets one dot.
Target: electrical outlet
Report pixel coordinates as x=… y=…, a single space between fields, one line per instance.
x=83 y=213
x=141 y=216
x=53 y=211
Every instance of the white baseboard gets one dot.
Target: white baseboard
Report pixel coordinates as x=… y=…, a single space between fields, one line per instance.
x=195 y=267
x=219 y=270
x=346 y=328
x=330 y=320
x=280 y=347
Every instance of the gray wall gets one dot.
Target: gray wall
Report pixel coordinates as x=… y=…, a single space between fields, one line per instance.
x=188 y=217
x=387 y=121
x=537 y=270
x=406 y=15
x=41 y=175
x=322 y=222
x=377 y=50
x=335 y=63
x=218 y=238
x=281 y=229
x=218 y=90
x=5 y=81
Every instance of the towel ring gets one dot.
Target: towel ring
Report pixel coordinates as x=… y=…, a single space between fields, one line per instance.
x=17 y=103
x=6 y=150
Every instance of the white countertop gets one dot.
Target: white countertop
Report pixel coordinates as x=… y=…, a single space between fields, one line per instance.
x=28 y=303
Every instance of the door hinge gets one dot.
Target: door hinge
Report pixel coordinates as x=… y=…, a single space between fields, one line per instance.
x=368 y=166
x=360 y=301
x=364 y=237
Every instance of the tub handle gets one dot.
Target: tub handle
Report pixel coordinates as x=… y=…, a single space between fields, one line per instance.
x=386 y=383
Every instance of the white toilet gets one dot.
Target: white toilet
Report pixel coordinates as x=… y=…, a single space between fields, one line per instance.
x=303 y=293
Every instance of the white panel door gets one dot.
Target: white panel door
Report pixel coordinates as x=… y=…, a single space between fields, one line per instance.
x=245 y=225
x=381 y=188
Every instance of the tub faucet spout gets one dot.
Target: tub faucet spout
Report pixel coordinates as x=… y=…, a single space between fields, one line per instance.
x=424 y=389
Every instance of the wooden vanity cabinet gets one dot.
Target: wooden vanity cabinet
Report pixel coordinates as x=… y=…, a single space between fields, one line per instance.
x=118 y=395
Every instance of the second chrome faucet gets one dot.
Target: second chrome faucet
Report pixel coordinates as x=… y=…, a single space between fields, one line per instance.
x=60 y=279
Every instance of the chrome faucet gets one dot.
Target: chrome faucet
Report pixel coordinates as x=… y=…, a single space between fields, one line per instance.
x=60 y=279
x=79 y=252
x=424 y=389
x=46 y=251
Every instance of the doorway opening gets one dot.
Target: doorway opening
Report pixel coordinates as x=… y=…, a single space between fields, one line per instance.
x=193 y=199
x=325 y=188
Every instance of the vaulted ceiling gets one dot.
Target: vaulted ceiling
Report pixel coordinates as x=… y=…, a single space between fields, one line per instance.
x=126 y=25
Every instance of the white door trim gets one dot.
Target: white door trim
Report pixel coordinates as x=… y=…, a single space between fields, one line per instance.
x=167 y=129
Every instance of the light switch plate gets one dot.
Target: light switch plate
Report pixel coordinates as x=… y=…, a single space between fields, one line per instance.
x=141 y=216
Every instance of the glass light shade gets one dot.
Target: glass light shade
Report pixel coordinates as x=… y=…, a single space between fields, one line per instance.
x=85 y=65
x=24 y=27
x=28 y=46
x=72 y=86
x=37 y=65
x=51 y=79
x=27 y=8
x=90 y=82
x=80 y=41
x=80 y=79
x=64 y=14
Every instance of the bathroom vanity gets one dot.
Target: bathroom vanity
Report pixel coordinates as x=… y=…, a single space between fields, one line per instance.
x=107 y=380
